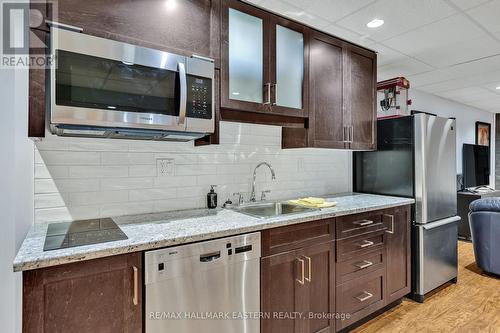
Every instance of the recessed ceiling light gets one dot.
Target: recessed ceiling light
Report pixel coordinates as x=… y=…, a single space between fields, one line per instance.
x=497 y=88
x=235 y=93
x=375 y=23
x=171 y=4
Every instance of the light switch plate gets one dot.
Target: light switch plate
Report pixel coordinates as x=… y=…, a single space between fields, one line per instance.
x=165 y=167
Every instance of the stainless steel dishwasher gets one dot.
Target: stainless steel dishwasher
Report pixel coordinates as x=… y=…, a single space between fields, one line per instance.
x=210 y=287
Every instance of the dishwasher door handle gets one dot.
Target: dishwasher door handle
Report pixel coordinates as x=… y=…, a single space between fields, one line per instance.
x=209 y=257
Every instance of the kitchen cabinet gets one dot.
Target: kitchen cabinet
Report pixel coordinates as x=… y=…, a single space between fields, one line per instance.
x=360 y=82
x=188 y=27
x=36 y=93
x=101 y=295
x=398 y=253
x=299 y=281
x=327 y=114
x=264 y=64
x=360 y=263
x=342 y=97
x=297 y=276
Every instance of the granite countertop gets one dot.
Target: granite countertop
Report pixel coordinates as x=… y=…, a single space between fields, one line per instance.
x=152 y=231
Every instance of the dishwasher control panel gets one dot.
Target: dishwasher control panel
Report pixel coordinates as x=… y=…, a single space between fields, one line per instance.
x=173 y=262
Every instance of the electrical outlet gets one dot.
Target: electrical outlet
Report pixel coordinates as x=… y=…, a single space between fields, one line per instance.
x=165 y=167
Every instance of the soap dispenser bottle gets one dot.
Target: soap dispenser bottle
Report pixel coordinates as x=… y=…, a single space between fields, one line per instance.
x=212 y=198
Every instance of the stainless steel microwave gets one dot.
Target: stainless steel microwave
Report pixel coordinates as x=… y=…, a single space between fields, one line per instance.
x=105 y=88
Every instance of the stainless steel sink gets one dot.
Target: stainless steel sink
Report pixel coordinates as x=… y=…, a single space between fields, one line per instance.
x=271 y=209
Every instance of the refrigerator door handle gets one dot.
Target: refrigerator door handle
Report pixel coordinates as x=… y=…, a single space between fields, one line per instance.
x=440 y=223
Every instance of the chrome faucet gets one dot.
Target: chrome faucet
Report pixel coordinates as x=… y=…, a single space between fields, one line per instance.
x=252 y=195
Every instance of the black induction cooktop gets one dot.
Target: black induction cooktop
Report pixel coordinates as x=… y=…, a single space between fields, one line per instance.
x=85 y=232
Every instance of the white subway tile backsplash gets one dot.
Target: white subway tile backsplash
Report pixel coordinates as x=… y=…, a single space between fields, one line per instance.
x=152 y=194
x=110 y=158
x=79 y=178
x=142 y=171
x=112 y=184
x=67 y=158
x=98 y=171
x=96 y=198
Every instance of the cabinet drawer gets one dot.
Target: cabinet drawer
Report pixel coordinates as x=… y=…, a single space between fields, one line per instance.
x=282 y=239
x=359 y=266
x=353 y=225
x=360 y=297
x=354 y=247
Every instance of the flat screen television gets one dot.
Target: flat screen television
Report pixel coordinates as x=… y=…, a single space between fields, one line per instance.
x=476 y=165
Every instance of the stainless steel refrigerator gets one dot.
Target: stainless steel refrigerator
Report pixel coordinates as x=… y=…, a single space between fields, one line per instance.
x=416 y=158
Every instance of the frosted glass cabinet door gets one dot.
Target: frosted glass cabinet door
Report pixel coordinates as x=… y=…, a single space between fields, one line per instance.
x=289 y=67
x=246 y=57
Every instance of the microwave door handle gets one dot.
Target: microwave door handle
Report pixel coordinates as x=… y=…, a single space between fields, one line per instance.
x=183 y=93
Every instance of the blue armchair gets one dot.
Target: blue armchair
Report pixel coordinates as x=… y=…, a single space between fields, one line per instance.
x=484 y=220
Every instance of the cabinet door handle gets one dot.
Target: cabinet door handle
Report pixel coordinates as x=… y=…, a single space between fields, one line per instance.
x=309 y=268
x=366 y=243
x=391 y=217
x=302 y=264
x=135 y=298
x=352 y=134
x=344 y=130
x=364 y=296
x=267 y=87
x=363 y=223
x=363 y=264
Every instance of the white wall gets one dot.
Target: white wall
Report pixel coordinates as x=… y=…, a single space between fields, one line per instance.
x=77 y=178
x=466 y=121
x=16 y=190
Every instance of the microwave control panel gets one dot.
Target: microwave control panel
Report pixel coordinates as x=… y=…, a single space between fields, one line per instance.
x=199 y=97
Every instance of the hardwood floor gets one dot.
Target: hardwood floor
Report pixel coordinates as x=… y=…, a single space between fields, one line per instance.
x=472 y=305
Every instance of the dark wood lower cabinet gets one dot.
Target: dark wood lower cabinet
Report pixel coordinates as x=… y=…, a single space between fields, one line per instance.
x=398 y=253
x=365 y=268
x=96 y=296
x=299 y=282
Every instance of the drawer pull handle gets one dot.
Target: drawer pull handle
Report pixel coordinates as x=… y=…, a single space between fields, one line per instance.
x=391 y=218
x=366 y=244
x=363 y=223
x=303 y=266
x=309 y=268
x=364 y=296
x=364 y=264
x=135 y=298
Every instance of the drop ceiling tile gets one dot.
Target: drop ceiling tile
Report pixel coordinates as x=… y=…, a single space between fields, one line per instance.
x=460 y=52
x=295 y=13
x=469 y=94
x=488 y=15
x=332 y=10
x=450 y=30
x=386 y=55
x=404 y=67
x=399 y=16
x=348 y=35
x=466 y=4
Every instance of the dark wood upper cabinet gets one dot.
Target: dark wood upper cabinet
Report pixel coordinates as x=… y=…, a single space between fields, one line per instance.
x=327 y=114
x=185 y=27
x=245 y=76
x=360 y=83
x=289 y=56
x=342 y=97
x=96 y=296
x=264 y=62
x=398 y=253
